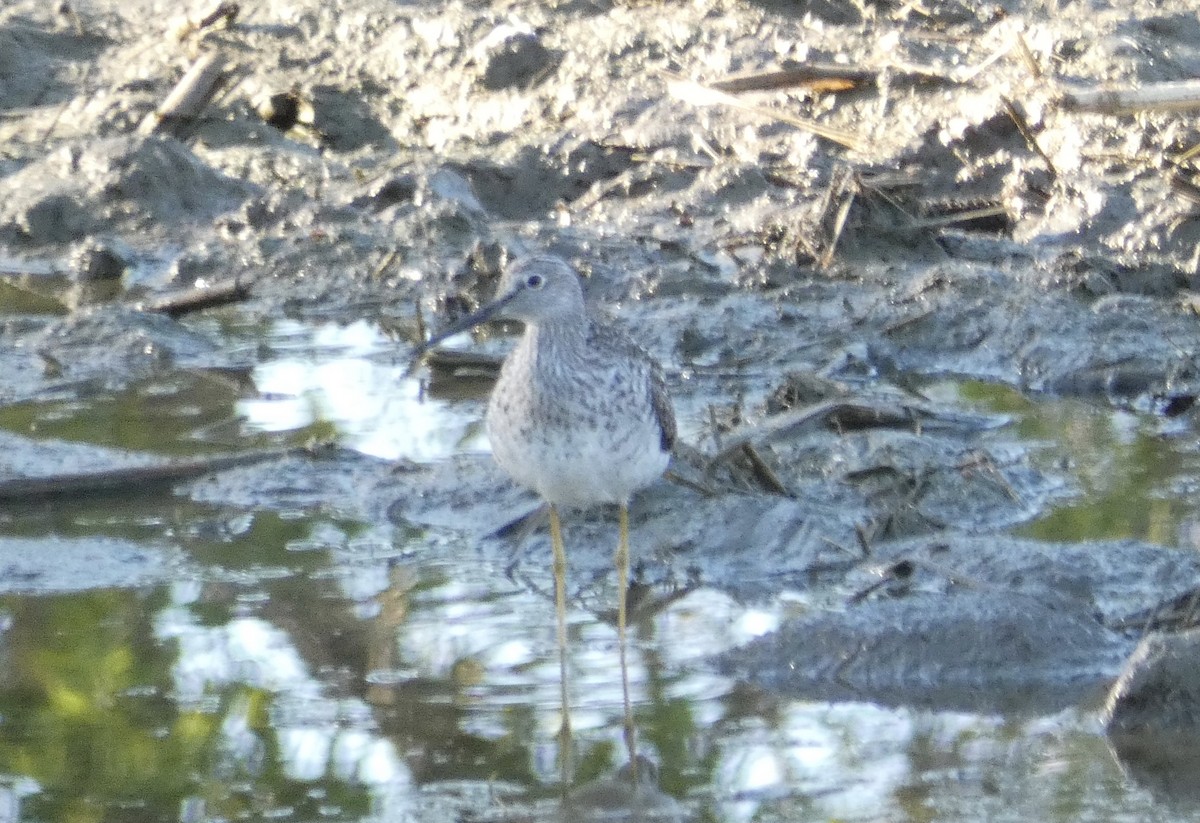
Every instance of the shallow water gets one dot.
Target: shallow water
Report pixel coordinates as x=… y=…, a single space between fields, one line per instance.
x=1130 y=470
x=297 y=665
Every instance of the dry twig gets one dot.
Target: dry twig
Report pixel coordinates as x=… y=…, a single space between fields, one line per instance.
x=134 y=479
x=190 y=97
x=1179 y=95
x=700 y=95
x=763 y=473
x=1022 y=124
x=820 y=77
x=198 y=298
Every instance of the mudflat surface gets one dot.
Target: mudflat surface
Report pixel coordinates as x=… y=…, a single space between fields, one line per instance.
x=814 y=214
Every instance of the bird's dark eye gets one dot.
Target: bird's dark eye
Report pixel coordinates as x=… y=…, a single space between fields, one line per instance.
x=535 y=281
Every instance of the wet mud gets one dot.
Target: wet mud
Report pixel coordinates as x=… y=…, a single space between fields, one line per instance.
x=955 y=215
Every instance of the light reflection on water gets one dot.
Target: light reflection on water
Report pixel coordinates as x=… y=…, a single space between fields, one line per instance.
x=354 y=377
x=301 y=667
x=316 y=737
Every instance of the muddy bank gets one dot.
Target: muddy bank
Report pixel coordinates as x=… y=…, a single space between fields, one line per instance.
x=807 y=212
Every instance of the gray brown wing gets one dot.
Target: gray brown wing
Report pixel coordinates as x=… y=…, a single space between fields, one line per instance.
x=663 y=410
x=603 y=336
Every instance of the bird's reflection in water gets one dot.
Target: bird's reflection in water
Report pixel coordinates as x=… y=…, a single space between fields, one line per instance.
x=631 y=793
x=622 y=797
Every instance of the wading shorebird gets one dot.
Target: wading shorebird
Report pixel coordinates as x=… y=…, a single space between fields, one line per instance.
x=580 y=415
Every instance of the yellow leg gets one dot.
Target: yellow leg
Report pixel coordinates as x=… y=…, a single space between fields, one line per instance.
x=622 y=562
x=560 y=608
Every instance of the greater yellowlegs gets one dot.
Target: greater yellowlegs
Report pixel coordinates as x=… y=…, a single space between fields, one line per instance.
x=580 y=415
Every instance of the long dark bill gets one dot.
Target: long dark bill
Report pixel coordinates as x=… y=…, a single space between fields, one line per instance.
x=482 y=315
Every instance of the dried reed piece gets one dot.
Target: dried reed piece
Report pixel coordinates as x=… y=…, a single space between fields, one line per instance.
x=1178 y=95
x=698 y=94
x=190 y=97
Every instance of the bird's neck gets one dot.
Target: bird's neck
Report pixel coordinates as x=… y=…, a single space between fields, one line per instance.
x=561 y=335
x=558 y=343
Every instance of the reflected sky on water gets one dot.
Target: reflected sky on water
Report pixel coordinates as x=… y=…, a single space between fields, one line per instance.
x=296 y=666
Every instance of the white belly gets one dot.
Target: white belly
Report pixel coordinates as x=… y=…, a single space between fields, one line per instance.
x=575 y=468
